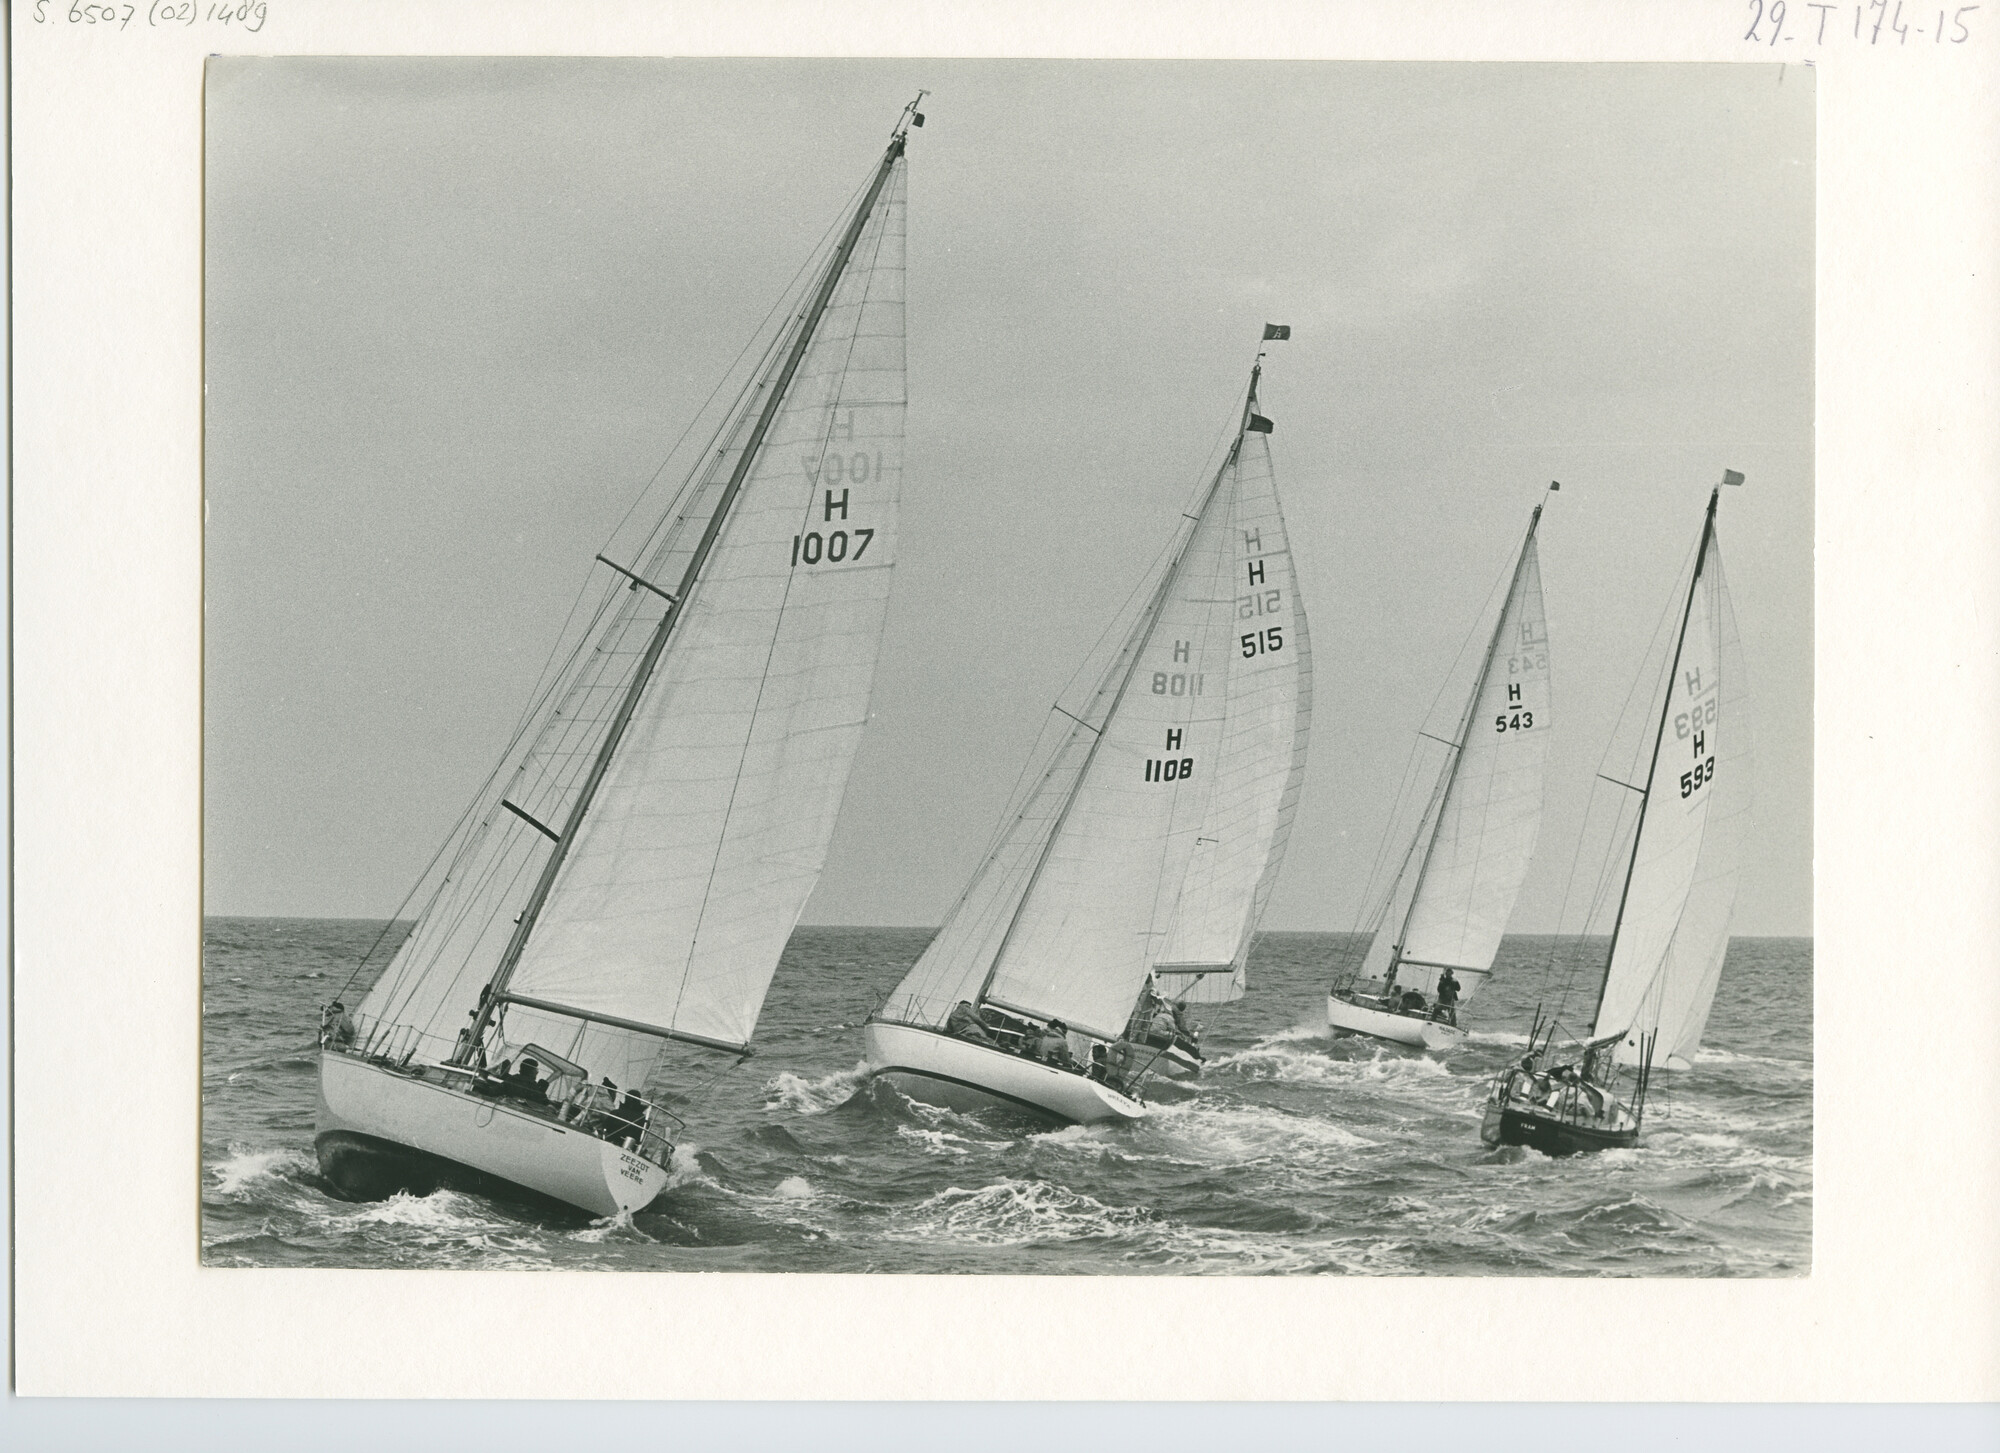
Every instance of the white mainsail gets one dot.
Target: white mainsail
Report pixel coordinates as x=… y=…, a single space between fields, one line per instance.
x=1152 y=836
x=1484 y=831
x=701 y=836
x=1673 y=926
x=1254 y=792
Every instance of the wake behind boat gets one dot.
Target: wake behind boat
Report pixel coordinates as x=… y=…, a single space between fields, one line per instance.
x=629 y=875
x=1147 y=846
x=1464 y=865
x=1672 y=926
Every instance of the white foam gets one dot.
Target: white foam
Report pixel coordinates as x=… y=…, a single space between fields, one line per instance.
x=1012 y=1213
x=244 y=1167
x=1240 y=1134
x=815 y=1097
x=794 y=1188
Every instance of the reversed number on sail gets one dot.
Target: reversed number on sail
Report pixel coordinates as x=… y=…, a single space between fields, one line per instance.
x=1260 y=603
x=1701 y=714
x=1258 y=643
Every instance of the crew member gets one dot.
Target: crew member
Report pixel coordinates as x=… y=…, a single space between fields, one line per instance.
x=336 y=1029
x=1053 y=1046
x=964 y=1023
x=1447 y=998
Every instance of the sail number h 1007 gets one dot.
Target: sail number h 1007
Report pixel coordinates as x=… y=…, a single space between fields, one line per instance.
x=832 y=547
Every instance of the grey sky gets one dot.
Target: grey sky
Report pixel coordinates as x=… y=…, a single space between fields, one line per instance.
x=458 y=312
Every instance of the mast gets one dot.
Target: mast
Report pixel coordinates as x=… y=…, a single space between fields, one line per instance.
x=1458 y=748
x=1659 y=735
x=1149 y=617
x=510 y=957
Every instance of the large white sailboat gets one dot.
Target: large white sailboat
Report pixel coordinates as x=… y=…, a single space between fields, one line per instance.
x=1148 y=845
x=628 y=878
x=1672 y=927
x=1464 y=864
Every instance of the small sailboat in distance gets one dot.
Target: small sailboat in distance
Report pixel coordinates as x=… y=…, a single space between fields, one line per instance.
x=1464 y=865
x=625 y=882
x=1672 y=927
x=1147 y=846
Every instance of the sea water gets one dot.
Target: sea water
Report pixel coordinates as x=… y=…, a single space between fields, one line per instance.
x=1295 y=1151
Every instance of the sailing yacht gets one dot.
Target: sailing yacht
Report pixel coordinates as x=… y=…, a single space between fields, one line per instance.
x=1148 y=844
x=1464 y=864
x=1672 y=928
x=617 y=897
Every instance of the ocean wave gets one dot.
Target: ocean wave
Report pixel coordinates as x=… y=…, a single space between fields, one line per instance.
x=1210 y=1133
x=240 y=1173
x=1282 y=1065
x=1014 y=1213
x=815 y=1097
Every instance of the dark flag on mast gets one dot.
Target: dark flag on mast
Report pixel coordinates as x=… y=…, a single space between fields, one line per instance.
x=1279 y=332
x=1730 y=476
x=1258 y=425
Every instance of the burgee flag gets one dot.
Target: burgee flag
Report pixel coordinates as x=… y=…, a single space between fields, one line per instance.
x=1730 y=476
x=1258 y=425
x=1278 y=331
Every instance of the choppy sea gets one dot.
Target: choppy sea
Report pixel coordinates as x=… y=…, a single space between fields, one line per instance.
x=1295 y=1151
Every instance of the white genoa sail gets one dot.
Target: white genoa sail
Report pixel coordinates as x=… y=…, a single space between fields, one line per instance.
x=1484 y=829
x=1151 y=840
x=686 y=859
x=1672 y=930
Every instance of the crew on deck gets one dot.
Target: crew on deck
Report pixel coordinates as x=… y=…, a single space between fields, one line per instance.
x=1447 y=999
x=1053 y=1045
x=524 y=1082
x=336 y=1029
x=965 y=1023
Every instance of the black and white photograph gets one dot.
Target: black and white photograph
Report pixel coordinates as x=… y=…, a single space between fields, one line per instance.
x=1028 y=667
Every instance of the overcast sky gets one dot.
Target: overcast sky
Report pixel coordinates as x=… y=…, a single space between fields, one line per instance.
x=458 y=312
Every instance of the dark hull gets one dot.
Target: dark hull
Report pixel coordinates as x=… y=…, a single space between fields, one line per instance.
x=1551 y=1136
x=365 y=1168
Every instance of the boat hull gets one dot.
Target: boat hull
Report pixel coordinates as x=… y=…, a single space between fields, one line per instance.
x=381 y=1131
x=1509 y=1125
x=938 y=1069
x=1352 y=1018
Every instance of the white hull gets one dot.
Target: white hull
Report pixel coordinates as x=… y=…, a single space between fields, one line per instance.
x=381 y=1130
x=1396 y=1028
x=938 y=1069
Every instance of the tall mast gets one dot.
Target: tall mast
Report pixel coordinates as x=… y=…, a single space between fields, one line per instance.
x=510 y=957
x=1458 y=748
x=1666 y=709
x=1149 y=617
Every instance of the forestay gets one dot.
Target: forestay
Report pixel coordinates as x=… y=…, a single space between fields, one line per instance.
x=1673 y=930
